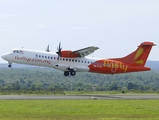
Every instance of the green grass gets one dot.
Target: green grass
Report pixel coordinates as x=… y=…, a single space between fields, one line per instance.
x=79 y=109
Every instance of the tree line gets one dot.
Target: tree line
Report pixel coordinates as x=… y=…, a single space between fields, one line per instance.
x=47 y=80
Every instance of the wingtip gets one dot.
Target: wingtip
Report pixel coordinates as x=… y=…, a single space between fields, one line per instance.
x=96 y=47
x=154 y=44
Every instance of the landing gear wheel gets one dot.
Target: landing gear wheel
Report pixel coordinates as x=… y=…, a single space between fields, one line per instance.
x=73 y=73
x=9 y=65
x=66 y=73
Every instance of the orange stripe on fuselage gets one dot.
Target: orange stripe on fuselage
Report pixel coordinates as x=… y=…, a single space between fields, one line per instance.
x=108 y=66
x=114 y=67
x=115 y=64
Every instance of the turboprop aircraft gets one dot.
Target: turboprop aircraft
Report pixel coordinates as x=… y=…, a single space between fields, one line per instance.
x=77 y=61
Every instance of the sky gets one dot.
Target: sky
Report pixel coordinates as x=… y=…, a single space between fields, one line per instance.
x=117 y=27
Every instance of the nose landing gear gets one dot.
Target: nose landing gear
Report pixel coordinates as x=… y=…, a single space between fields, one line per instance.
x=9 y=64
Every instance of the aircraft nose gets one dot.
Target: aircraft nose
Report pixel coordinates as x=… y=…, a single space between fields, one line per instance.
x=4 y=56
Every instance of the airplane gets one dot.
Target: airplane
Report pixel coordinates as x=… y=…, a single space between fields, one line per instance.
x=71 y=62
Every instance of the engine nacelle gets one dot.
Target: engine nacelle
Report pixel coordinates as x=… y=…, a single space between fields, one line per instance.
x=69 y=54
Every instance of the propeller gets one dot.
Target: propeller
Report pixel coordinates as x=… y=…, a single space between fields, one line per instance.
x=59 y=50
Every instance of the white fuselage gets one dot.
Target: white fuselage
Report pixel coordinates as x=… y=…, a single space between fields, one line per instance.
x=47 y=59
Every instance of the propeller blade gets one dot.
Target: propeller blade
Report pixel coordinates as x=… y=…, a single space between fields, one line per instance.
x=59 y=50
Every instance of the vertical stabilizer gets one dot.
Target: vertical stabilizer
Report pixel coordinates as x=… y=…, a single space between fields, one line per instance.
x=139 y=56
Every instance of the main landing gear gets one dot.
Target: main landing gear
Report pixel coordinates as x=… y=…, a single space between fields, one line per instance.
x=72 y=72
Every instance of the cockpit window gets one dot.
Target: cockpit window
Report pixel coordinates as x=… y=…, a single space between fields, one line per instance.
x=15 y=51
x=18 y=51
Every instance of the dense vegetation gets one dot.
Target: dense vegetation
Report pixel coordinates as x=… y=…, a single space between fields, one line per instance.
x=47 y=80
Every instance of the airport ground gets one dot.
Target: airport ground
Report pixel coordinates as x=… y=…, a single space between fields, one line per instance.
x=84 y=106
x=80 y=107
x=82 y=97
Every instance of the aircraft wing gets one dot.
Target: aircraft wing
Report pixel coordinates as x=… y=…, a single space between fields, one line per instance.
x=85 y=51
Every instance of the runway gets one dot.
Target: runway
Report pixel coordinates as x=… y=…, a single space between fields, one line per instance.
x=77 y=97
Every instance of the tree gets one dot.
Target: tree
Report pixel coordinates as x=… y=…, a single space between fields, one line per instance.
x=130 y=86
x=16 y=86
x=113 y=86
x=2 y=83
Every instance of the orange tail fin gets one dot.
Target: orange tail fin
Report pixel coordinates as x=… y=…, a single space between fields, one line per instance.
x=139 y=56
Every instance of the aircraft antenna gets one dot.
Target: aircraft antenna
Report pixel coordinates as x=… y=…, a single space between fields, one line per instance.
x=47 y=49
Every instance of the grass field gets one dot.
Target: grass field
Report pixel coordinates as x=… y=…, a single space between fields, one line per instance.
x=79 y=109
